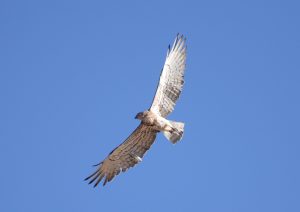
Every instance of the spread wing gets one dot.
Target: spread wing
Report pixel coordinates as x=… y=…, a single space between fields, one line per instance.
x=126 y=155
x=171 y=79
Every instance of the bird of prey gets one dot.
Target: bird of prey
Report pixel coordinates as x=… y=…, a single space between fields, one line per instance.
x=153 y=120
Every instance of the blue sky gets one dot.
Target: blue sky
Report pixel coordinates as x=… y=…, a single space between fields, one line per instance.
x=73 y=74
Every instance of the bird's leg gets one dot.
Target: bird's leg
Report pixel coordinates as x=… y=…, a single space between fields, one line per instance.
x=172 y=130
x=169 y=128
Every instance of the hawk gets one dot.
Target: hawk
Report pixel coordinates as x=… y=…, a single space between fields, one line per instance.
x=153 y=120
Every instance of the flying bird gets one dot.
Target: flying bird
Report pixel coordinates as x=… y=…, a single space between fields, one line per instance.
x=153 y=120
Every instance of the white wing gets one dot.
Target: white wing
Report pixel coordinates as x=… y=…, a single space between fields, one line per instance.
x=171 y=79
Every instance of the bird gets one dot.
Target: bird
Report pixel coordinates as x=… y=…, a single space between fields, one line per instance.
x=152 y=121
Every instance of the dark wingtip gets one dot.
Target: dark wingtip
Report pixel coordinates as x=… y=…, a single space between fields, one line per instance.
x=98 y=164
x=87 y=178
x=105 y=181
x=94 y=175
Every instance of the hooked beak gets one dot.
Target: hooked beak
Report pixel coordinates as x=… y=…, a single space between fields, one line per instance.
x=136 y=117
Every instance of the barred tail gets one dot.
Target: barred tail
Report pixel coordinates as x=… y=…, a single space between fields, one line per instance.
x=176 y=134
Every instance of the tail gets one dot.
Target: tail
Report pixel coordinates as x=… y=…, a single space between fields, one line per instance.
x=176 y=134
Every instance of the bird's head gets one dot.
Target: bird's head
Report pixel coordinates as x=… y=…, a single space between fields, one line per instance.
x=139 y=116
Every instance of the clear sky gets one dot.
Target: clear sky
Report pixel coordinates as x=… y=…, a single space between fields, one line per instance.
x=73 y=74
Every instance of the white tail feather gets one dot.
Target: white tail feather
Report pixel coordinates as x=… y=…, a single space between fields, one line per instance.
x=177 y=133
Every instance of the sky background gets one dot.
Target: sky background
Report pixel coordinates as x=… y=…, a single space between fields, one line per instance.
x=73 y=74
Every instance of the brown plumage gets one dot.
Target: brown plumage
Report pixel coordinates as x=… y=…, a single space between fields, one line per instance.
x=132 y=150
x=126 y=155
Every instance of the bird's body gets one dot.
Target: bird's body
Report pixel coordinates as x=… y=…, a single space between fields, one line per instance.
x=157 y=122
x=153 y=120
